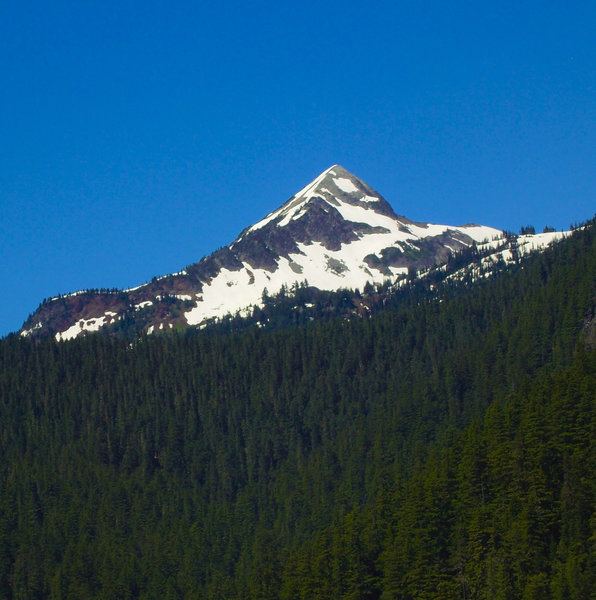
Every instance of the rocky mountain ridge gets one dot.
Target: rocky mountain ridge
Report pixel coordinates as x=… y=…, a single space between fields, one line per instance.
x=337 y=232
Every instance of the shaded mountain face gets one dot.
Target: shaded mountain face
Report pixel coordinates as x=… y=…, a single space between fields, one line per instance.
x=335 y=233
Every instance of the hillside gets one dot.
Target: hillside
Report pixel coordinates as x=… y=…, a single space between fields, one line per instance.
x=438 y=449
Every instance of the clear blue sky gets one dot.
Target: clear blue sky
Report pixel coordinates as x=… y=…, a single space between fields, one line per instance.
x=137 y=137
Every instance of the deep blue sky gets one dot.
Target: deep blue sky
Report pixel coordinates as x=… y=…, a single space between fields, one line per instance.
x=137 y=137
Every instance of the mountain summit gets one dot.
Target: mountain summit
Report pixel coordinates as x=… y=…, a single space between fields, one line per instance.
x=337 y=232
x=332 y=188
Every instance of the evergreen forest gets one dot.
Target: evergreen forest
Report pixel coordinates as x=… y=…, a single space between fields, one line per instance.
x=441 y=448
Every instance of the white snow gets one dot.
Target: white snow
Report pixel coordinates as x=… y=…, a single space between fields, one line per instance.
x=529 y=243
x=481 y=233
x=138 y=287
x=305 y=191
x=359 y=214
x=144 y=304
x=134 y=289
x=78 y=293
x=231 y=291
x=297 y=210
x=368 y=199
x=294 y=203
x=345 y=185
x=92 y=324
x=183 y=272
x=27 y=332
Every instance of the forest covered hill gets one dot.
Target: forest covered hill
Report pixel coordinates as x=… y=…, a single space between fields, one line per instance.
x=441 y=448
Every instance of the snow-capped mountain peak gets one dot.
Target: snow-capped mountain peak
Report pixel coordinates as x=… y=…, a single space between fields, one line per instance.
x=336 y=232
x=334 y=186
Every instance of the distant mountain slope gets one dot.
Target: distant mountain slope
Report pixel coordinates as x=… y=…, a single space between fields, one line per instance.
x=335 y=233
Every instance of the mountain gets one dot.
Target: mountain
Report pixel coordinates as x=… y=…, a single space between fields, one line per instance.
x=437 y=450
x=337 y=232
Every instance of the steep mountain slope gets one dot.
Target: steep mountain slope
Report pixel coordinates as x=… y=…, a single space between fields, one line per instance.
x=340 y=459
x=335 y=233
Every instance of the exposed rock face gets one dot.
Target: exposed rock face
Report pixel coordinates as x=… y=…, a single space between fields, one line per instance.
x=337 y=232
x=588 y=333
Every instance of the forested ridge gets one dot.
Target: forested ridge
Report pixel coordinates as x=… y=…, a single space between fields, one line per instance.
x=442 y=448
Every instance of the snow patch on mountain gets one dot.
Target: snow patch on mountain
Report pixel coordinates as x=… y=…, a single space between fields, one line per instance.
x=294 y=204
x=27 y=332
x=142 y=305
x=359 y=214
x=481 y=233
x=538 y=241
x=345 y=185
x=92 y=324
